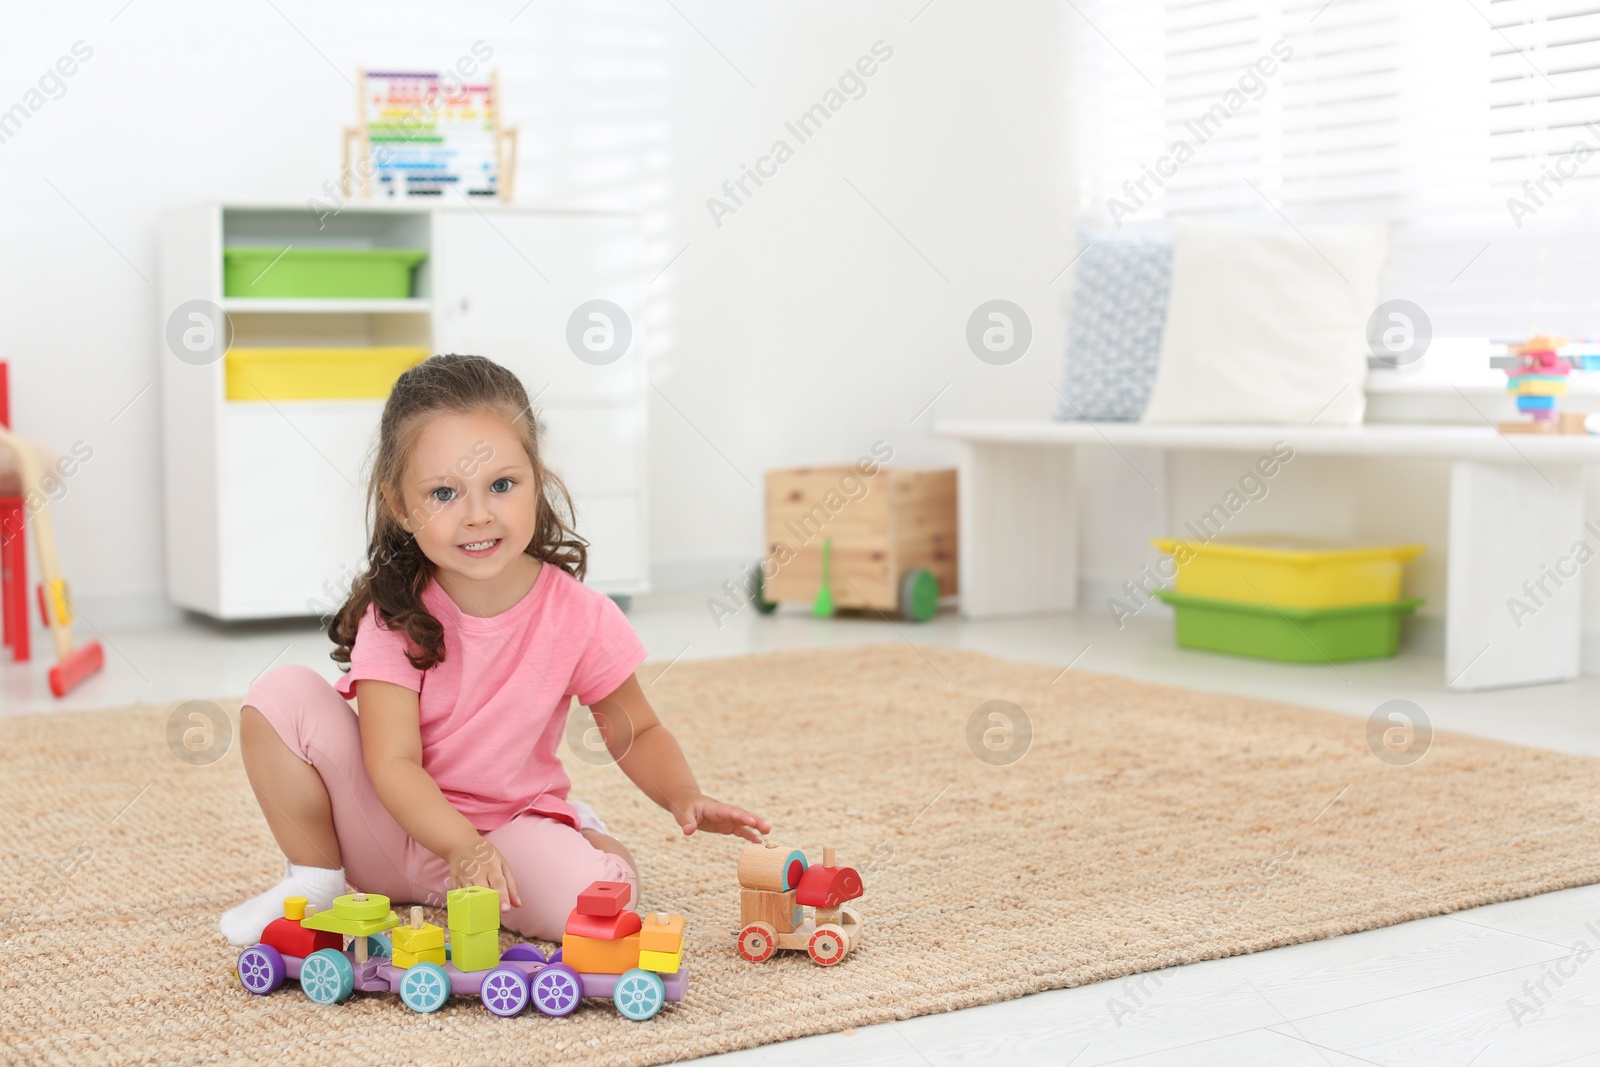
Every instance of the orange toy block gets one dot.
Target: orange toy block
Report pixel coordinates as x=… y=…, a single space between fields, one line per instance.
x=661 y=933
x=603 y=899
x=603 y=928
x=592 y=955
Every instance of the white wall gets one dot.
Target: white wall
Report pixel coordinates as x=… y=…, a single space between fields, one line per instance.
x=800 y=331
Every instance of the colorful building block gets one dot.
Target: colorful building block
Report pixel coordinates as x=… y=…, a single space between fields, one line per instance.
x=473 y=909
x=604 y=928
x=474 y=952
x=604 y=898
x=414 y=939
x=661 y=933
x=828 y=887
x=779 y=910
x=596 y=956
x=405 y=959
x=290 y=938
x=661 y=962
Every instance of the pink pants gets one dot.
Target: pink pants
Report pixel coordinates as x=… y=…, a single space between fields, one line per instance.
x=550 y=860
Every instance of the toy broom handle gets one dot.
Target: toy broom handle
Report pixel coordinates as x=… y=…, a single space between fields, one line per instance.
x=44 y=537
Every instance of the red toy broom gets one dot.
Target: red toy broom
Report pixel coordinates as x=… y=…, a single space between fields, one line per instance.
x=73 y=665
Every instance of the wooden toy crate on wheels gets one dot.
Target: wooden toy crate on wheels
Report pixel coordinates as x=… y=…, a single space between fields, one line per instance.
x=891 y=538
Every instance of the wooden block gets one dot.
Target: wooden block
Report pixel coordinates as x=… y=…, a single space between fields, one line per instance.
x=770 y=867
x=1530 y=426
x=604 y=898
x=603 y=927
x=591 y=955
x=764 y=906
x=662 y=933
x=474 y=952
x=660 y=962
x=1573 y=422
x=410 y=939
x=290 y=938
x=404 y=959
x=473 y=909
x=828 y=887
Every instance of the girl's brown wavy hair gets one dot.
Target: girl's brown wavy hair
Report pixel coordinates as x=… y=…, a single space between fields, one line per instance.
x=397 y=571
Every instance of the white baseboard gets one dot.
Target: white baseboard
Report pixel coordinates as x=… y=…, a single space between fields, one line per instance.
x=696 y=575
x=125 y=611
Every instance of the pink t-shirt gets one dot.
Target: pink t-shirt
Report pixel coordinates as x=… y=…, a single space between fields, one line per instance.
x=493 y=714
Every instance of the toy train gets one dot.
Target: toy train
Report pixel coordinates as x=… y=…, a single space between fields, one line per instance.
x=606 y=951
x=777 y=885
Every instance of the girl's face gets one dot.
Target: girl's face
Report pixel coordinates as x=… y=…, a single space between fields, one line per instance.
x=468 y=494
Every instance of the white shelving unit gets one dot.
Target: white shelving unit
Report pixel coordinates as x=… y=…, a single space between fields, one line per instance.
x=265 y=513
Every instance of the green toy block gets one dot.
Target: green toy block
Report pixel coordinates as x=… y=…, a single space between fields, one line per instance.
x=473 y=909
x=474 y=952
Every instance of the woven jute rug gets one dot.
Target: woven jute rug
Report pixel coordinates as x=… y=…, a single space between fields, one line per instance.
x=1142 y=826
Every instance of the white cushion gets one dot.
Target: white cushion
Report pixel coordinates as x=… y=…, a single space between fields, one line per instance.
x=1268 y=324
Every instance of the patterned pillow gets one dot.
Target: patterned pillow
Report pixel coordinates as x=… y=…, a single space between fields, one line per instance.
x=1119 y=308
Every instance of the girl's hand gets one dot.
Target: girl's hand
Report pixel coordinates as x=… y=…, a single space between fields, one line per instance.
x=700 y=812
x=480 y=863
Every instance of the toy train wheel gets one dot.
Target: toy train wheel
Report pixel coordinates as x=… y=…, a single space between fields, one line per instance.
x=261 y=969
x=505 y=991
x=380 y=946
x=828 y=945
x=557 y=989
x=425 y=987
x=757 y=942
x=639 y=994
x=327 y=976
x=525 y=952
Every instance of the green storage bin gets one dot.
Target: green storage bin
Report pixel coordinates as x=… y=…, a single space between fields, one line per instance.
x=1290 y=635
x=319 y=273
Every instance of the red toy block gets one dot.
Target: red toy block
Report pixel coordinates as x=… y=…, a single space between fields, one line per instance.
x=292 y=939
x=828 y=887
x=603 y=927
x=604 y=898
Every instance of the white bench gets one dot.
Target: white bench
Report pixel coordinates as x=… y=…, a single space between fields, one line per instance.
x=1516 y=509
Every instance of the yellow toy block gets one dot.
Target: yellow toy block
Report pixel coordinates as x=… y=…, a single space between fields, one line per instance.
x=661 y=933
x=407 y=939
x=428 y=955
x=660 y=962
x=473 y=909
x=475 y=952
x=591 y=955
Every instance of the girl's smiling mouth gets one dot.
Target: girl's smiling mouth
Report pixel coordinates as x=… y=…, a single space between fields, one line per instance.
x=480 y=549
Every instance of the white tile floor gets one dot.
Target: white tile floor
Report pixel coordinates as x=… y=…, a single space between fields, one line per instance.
x=1433 y=991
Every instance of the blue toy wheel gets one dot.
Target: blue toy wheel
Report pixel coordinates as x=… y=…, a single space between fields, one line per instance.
x=505 y=991
x=261 y=969
x=639 y=994
x=557 y=990
x=327 y=976
x=379 y=945
x=525 y=952
x=424 y=987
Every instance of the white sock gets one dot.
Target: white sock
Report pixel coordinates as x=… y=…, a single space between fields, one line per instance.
x=587 y=819
x=242 y=925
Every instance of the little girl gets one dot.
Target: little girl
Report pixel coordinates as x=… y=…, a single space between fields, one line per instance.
x=466 y=638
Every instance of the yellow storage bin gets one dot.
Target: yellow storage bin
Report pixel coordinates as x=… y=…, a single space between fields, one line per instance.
x=1288 y=572
x=317 y=373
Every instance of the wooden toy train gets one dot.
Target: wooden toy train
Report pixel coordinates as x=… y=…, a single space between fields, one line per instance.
x=606 y=951
x=777 y=885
